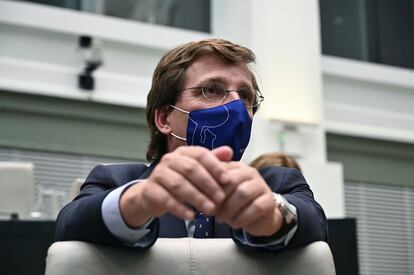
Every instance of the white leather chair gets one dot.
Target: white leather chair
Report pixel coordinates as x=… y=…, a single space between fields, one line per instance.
x=186 y=256
x=16 y=189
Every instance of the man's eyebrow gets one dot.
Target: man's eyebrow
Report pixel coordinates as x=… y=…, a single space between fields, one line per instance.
x=222 y=80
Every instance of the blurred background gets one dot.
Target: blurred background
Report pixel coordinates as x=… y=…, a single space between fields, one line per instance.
x=337 y=77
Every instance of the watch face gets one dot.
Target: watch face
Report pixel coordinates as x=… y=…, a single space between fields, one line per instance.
x=283 y=205
x=289 y=217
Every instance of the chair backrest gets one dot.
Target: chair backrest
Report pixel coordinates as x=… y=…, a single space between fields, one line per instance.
x=16 y=189
x=186 y=256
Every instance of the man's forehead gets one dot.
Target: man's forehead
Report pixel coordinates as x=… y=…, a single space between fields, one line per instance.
x=211 y=67
x=215 y=60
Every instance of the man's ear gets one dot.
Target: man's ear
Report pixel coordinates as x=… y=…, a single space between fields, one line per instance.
x=161 y=120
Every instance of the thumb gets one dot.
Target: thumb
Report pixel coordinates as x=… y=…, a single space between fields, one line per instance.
x=223 y=153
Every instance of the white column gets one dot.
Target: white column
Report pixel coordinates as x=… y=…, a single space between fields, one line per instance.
x=285 y=36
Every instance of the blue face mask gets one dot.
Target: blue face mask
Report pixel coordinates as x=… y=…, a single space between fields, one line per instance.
x=228 y=124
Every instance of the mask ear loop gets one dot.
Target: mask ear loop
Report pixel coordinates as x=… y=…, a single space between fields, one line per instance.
x=181 y=110
x=178 y=137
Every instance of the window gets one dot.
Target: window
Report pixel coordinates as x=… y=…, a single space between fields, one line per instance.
x=379 y=193
x=385 y=226
x=379 y=31
x=186 y=14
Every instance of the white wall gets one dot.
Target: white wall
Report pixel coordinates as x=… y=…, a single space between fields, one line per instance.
x=326 y=181
x=368 y=100
x=285 y=37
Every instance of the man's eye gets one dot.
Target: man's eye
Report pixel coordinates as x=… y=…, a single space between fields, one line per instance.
x=246 y=94
x=212 y=90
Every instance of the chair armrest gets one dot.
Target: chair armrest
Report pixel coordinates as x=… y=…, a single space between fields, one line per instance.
x=186 y=256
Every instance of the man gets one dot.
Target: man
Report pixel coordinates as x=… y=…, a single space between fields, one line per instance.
x=199 y=112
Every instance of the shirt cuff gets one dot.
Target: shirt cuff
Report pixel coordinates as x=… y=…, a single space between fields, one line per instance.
x=113 y=220
x=249 y=240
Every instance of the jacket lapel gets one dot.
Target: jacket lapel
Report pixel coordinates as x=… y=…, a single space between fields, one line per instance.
x=148 y=171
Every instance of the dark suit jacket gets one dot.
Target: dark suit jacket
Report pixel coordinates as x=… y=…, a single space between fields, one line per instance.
x=82 y=219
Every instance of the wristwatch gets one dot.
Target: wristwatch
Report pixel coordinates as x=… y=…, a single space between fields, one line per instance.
x=284 y=206
x=289 y=216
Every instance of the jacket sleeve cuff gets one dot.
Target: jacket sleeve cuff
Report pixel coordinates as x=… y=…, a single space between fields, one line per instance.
x=278 y=241
x=111 y=214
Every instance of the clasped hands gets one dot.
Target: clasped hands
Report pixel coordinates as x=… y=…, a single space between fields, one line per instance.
x=194 y=177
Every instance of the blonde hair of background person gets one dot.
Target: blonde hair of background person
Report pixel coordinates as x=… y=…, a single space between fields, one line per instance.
x=275 y=159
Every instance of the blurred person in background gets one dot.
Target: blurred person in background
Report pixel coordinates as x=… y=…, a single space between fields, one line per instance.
x=275 y=159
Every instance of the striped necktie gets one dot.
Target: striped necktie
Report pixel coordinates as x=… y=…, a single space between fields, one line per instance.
x=204 y=226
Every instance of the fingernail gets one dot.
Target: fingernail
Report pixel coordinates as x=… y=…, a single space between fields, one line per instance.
x=208 y=207
x=219 y=196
